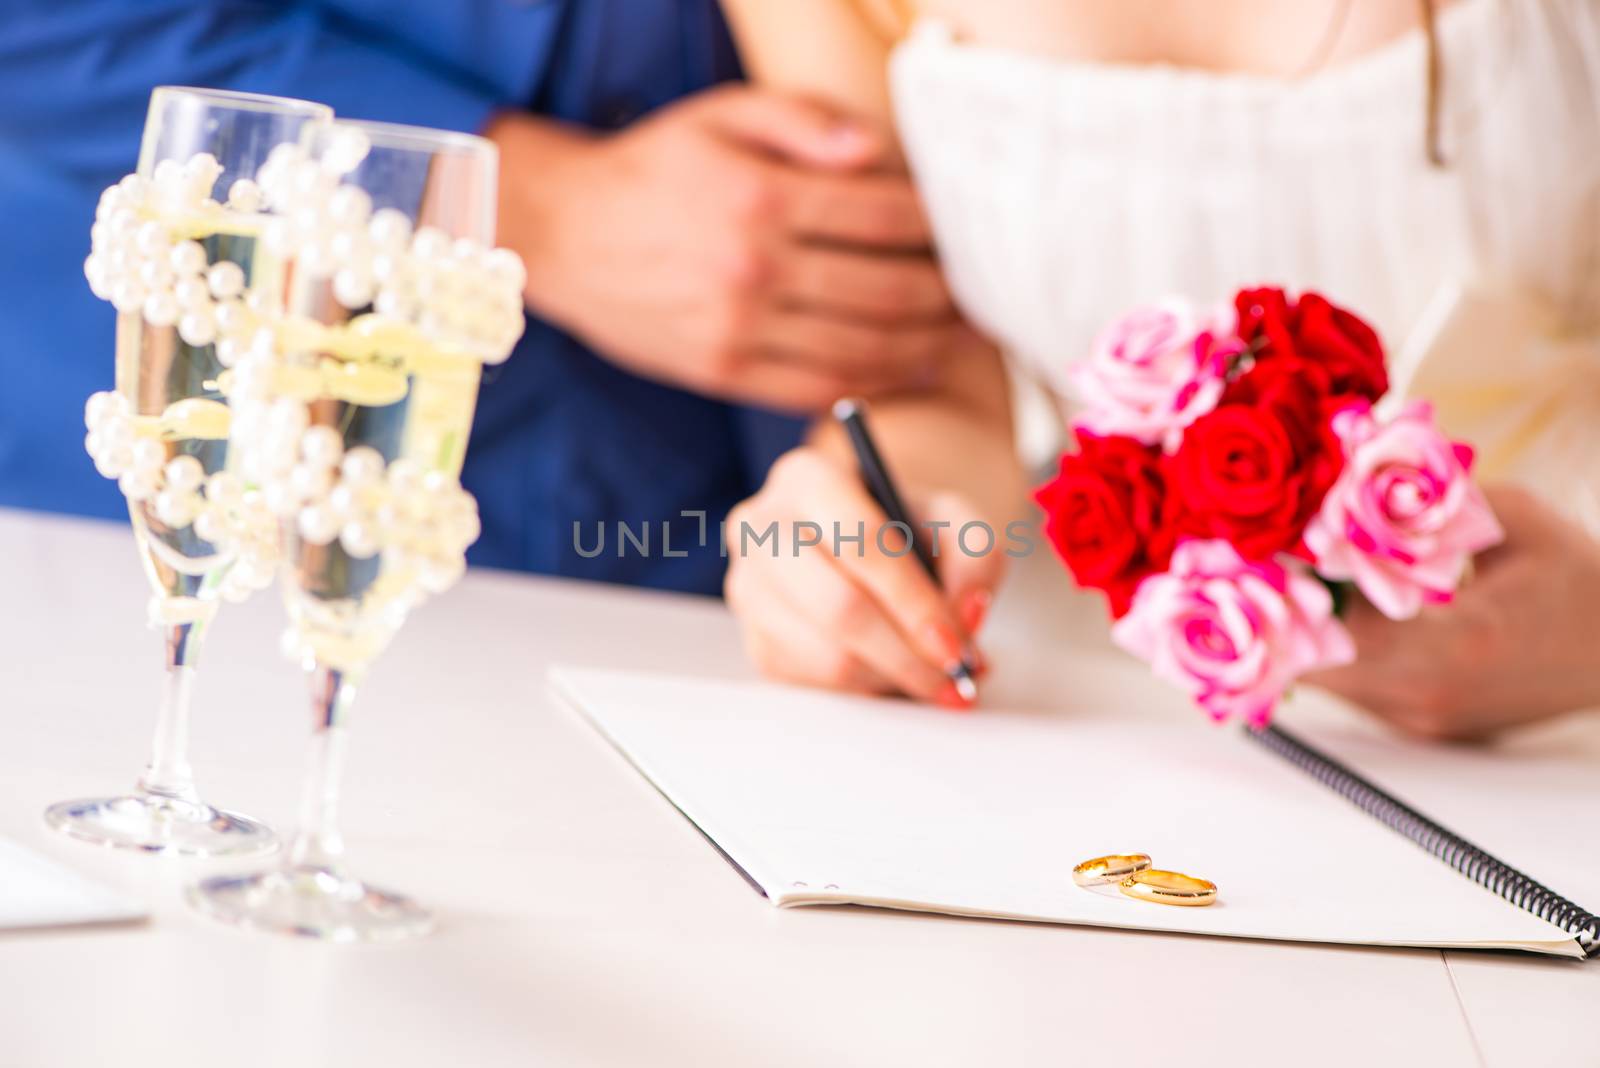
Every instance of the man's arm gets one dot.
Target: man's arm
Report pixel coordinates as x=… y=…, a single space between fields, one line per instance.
x=76 y=75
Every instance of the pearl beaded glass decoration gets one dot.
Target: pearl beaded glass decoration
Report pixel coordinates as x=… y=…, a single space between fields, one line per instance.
x=462 y=297
x=144 y=261
x=219 y=508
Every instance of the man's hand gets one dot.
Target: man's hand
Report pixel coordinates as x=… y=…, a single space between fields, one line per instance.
x=1521 y=641
x=740 y=243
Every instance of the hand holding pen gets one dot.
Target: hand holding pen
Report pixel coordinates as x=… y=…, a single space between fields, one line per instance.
x=873 y=614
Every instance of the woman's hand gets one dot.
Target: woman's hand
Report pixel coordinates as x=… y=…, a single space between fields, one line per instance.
x=860 y=618
x=1521 y=641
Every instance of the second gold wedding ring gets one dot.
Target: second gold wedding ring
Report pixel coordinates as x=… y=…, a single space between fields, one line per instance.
x=1168 y=888
x=1112 y=869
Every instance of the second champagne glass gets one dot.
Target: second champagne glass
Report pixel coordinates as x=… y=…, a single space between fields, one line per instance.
x=189 y=278
x=357 y=425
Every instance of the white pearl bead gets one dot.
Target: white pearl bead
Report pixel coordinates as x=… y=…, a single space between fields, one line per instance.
x=342 y=500
x=169 y=507
x=359 y=540
x=184 y=474
x=349 y=206
x=117 y=432
x=284 y=155
x=429 y=244
x=311 y=182
x=322 y=445
x=393 y=305
x=225 y=280
x=167 y=173
x=160 y=309
x=103 y=406
x=150 y=238
x=362 y=466
x=98 y=276
x=389 y=230
x=202 y=164
x=127 y=295
x=257 y=301
x=315 y=259
x=506 y=267
x=122 y=222
x=222 y=487
x=404 y=476
x=317 y=525
x=439 y=574
x=197 y=328
x=209 y=526
x=155 y=273
x=289 y=414
x=310 y=480
x=462 y=531
x=136 y=486
x=352 y=289
x=345 y=150
x=244 y=195
x=464 y=249
x=230 y=316
x=280 y=500
x=188 y=258
x=148 y=456
x=133 y=186
x=191 y=293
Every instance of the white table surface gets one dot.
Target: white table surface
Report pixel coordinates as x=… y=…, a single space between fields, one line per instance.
x=582 y=921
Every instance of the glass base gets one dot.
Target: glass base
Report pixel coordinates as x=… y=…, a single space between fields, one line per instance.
x=313 y=902
x=155 y=823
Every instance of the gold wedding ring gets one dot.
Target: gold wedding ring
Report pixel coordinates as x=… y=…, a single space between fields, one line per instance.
x=1112 y=869
x=1168 y=888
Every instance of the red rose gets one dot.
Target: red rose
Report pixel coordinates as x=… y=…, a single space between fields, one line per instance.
x=1255 y=470
x=1316 y=331
x=1103 y=514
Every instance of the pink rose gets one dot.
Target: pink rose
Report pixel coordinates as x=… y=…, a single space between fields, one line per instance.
x=1404 y=517
x=1153 y=372
x=1234 y=634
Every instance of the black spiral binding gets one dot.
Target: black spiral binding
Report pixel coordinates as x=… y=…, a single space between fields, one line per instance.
x=1481 y=867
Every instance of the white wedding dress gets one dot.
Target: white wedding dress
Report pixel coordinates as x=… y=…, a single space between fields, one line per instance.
x=1063 y=193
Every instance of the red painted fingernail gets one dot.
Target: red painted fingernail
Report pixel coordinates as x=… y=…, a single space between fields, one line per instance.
x=950 y=697
x=974 y=609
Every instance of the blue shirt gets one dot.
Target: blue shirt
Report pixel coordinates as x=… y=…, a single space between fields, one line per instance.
x=562 y=437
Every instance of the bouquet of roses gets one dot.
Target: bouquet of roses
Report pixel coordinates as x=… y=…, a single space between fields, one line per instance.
x=1232 y=476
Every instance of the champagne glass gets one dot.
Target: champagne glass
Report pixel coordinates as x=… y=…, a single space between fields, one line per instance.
x=189 y=279
x=355 y=423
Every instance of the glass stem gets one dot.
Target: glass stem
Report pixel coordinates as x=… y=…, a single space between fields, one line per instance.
x=317 y=843
x=168 y=774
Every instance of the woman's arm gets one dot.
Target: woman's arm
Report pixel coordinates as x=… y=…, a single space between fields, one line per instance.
x=856 y=614
x=832 y=50
x=956 y=434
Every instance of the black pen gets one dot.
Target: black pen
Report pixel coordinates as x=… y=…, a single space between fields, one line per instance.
x=852 y=416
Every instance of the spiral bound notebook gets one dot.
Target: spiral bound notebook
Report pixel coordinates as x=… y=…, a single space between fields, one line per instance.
x=824 y=799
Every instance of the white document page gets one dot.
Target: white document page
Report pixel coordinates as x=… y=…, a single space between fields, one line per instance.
x=826 y=799
x=37 y=892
